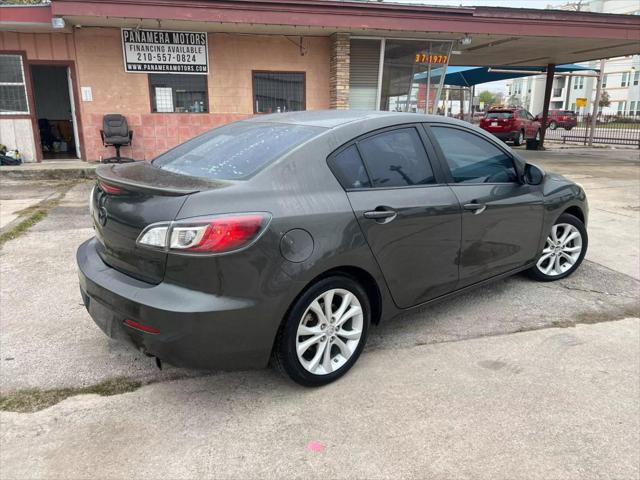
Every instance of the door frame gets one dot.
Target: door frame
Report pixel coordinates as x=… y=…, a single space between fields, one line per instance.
x=70 y=64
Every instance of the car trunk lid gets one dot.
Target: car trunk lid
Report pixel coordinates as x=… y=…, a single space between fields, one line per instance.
x=128 y=198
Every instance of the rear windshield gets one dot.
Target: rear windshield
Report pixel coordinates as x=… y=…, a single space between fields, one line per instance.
x=234 y=151
x=499 y=114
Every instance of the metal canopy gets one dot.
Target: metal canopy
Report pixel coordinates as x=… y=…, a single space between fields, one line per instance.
x=469 y=76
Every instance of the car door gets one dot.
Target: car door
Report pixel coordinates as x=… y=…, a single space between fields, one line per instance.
x=501 y=217
x=409 y=216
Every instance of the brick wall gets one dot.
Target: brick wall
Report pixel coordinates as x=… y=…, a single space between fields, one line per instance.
x=153 y=133
x=97 y=54
x=339 y=71
x=231 y=60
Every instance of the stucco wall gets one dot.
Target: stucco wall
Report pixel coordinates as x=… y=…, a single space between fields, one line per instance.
x=97 y=53
x=40 y=46
x=231 y=60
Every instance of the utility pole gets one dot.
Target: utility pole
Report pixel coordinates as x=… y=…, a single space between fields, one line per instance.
x=596 y=102
x=551 y=70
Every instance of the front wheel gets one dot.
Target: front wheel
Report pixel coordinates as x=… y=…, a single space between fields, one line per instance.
x=324 y=333
x=564 y=250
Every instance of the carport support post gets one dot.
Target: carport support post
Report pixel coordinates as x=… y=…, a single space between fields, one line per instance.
x=551 y=71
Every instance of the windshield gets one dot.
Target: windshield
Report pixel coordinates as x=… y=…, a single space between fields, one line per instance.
x=234 y=151
x=499 y=114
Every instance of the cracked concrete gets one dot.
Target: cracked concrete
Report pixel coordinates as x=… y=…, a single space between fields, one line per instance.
x=549 y=404
x=484 y=385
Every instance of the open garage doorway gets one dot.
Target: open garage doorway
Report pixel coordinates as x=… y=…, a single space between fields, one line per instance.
x=55 y=113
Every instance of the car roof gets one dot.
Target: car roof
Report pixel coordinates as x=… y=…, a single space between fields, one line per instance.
x=337 y=118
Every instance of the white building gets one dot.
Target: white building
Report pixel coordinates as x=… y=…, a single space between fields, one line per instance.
x=621 y=80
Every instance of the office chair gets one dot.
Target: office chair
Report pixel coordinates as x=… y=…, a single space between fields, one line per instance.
x=115 y=133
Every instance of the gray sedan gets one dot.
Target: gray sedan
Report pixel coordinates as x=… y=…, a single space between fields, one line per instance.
x=286 y=236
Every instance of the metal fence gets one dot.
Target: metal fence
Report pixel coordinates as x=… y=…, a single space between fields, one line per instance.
x=609 y=129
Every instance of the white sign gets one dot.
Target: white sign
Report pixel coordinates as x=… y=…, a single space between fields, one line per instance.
x=87 y=94
x=164 y=51
x=164 y=99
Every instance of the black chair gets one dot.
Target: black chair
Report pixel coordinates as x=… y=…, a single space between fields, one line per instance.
x=115 y=133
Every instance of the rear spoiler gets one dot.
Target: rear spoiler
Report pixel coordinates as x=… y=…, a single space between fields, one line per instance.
x=144 y=177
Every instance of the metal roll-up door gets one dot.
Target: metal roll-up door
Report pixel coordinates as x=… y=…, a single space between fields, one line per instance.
x=363 y=74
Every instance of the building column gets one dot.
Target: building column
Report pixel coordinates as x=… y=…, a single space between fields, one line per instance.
x=339 y=71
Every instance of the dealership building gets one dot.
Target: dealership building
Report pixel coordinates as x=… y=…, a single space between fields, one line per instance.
x=174 y=69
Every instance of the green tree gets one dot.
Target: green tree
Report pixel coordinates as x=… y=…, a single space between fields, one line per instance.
x=487 y=98
x=604 y=99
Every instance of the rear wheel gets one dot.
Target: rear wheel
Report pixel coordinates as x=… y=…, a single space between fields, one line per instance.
x=553 y=125
x=517 y=141
x=563 y=251
x=324 y=333
x=568 y=128
x=534 y=143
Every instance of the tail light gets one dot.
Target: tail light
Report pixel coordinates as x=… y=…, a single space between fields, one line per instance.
x=110 y=189
x=141 y=326
x=219 y=234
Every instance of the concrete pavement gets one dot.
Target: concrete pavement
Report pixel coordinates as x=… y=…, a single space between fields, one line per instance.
x=481 y=386
x=549 y=404
x=50 y=341
x=611 y=178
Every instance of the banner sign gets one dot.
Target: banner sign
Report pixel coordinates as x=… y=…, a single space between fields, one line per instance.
x=164 y=51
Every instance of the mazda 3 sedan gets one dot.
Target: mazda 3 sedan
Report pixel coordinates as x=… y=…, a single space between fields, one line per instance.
x=286 y=236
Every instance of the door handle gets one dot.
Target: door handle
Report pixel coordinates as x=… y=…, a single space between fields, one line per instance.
x=476 y=208
x=381 y=214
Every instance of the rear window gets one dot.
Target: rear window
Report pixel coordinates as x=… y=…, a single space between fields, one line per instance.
x=234 y=151
x=499 y=114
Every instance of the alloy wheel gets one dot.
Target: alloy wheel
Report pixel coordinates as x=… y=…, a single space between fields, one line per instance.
x=562 y=250
x=329 y=332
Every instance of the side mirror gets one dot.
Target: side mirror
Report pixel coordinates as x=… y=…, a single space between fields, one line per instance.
x=537 y=118
x=533 y=174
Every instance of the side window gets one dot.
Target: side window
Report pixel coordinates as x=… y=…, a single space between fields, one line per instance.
x=473 y=159
x=396 y=158
x=347 y=166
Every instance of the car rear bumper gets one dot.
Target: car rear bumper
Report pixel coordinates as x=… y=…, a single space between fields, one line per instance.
x=502 y=135
x=196 y=329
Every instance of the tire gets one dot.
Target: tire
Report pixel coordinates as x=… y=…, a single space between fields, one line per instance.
x=553 y=125
x=303 y=317
x=519 y=138
x=568 y=128
x=546 y=269
x=534 y=143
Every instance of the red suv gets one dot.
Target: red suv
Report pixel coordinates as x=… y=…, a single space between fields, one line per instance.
x=561 y=118
x=512 y=123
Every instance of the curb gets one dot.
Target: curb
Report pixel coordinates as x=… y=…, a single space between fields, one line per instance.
x=48 y=174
